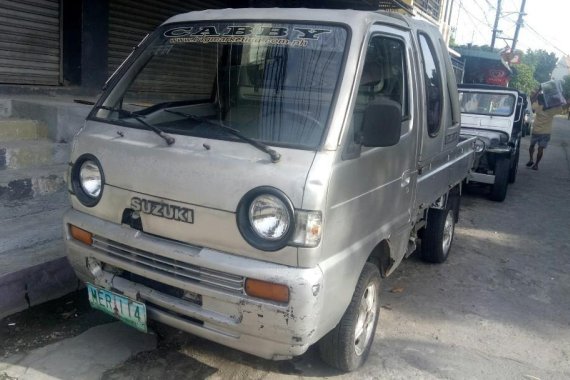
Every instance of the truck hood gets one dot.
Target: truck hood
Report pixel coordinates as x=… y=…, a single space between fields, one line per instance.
x=492 y=138
x=204 y=172
x=491 y=123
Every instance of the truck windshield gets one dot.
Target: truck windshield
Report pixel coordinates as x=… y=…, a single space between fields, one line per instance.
x=492 y=104
x=272 y=82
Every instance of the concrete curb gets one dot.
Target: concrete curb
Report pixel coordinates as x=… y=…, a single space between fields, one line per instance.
x=34 y=285
x=63 y=119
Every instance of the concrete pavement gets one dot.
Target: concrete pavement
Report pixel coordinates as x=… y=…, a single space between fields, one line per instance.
x=86 y=356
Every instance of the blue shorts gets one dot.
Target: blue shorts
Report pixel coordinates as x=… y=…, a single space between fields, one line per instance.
x=541 y=140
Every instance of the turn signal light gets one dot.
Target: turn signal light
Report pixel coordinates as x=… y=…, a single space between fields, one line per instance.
x=81 y=235
x=267 y=290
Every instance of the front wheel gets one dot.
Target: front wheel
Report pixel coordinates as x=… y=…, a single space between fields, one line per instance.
x=347 y=346
x=514 y=168
x=499 y=189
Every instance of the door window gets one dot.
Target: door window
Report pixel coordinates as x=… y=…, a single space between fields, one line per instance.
x=383 y=78
x=433 y=86
x=383 y=74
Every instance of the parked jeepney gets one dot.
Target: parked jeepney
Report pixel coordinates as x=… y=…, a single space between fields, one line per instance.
x=494 y=115
x=250 y=175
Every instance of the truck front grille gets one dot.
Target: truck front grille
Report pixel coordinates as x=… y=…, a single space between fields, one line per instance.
x=164 y=265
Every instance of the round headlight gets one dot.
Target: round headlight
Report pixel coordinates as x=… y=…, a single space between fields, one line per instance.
x=266 y=218
x=87 y=180
x=269 y=217
x=90 y=178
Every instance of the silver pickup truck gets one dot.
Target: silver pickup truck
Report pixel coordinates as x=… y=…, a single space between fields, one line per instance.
x=249 y=176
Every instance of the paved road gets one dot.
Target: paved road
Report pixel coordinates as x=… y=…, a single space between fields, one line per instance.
x=498 y=309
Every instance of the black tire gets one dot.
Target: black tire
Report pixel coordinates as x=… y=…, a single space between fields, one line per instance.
x=499 y=188
x=439 y=232
x=339 y=347
x=455 y=199
x=514 y=168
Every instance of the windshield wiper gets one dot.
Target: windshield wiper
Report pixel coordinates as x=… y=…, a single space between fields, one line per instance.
x=275 y=157
x=169 y=139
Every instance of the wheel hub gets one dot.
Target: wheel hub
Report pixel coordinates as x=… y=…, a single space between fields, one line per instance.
x=366 y=318
x=447 y=232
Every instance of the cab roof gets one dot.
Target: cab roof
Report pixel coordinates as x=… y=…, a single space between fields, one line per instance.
x=358 y=21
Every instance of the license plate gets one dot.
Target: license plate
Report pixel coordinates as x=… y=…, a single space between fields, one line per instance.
x=129 y=311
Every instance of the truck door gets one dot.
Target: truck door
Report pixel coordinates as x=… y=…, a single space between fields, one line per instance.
x=386 y=74
x=440 y=109
x=373 y=187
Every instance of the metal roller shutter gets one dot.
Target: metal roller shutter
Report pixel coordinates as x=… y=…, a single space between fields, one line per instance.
x=30 y=42
x=131 y=20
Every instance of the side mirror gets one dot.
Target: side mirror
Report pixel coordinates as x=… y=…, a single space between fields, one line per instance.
x=382 y=124
x=519 y=109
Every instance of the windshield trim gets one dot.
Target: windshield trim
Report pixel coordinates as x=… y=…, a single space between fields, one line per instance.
x=514 y=108
x=139 y=49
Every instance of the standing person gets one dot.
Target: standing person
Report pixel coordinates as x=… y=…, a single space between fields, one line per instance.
x=541 y=128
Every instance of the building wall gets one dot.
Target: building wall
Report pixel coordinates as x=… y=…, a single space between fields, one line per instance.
x=30 y=42
x=78 y=43
x=562 y=68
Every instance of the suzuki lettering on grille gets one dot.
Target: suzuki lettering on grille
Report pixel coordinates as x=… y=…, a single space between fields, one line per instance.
x=163 y=210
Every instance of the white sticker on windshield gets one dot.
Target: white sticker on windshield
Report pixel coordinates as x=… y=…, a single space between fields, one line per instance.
x=294 y=36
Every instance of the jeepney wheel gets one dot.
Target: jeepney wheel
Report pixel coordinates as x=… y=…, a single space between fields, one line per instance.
x=347 y=346
x=514 y=169
x=439 y=232
x=499 y=188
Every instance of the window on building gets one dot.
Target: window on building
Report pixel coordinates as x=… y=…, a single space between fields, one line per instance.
x=431 y=7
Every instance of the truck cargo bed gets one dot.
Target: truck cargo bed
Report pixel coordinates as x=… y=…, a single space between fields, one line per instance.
x=444 y=172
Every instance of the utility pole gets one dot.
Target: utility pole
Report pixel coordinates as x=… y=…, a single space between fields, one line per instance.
x=497 y=16
x=519 y=24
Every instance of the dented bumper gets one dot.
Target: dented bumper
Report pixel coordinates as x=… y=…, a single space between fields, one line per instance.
x=199 y=290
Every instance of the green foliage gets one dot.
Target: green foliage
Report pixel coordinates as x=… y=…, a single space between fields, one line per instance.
x=542 y=62
x=452 y=41
x=523 y=78
x=477 y=47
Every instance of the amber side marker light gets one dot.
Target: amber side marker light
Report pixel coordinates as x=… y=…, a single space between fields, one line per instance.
x=267 y=290
x=78 y=234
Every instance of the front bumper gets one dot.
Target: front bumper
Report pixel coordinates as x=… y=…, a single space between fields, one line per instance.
x=224 y=313
x=500 y=150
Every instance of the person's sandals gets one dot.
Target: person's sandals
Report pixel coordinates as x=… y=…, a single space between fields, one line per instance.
x=529 y=164
x=535 y=167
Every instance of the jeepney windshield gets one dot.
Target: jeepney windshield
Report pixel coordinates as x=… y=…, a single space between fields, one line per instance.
x=487 y=103
x=272 y=82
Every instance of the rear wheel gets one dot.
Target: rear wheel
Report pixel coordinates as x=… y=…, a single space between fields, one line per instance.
x=439 y=232
x=499 y=188
x=347 y=346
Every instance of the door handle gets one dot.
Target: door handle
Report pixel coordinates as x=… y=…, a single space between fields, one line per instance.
x=406 y=178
